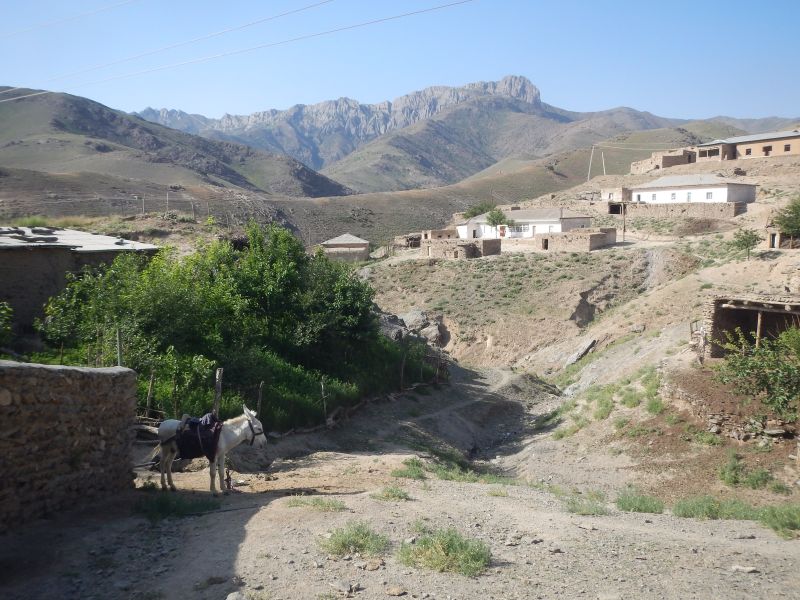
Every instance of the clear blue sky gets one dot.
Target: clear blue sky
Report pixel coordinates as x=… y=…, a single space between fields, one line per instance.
x=677 y=59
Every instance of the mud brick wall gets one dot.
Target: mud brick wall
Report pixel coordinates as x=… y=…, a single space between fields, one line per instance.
x=64 y=437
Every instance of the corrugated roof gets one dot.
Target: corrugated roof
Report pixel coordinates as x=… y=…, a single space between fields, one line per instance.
x=674 y=181
x=346 y=238
x=53 y=237
x=755 y=137
x=534 y=214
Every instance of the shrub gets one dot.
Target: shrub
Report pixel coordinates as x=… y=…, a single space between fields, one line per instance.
x=631 y=500
x=706 y=507
x=655 y=405
x=447 y=551
x=591 y=503
x=414 y=469
x=392 y=493
x=784 y=520
x=6 y=315
x=733 y=471
x=355 y=537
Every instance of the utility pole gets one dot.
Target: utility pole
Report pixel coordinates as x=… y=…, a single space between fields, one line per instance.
x=167 y=200
x=603 y=156
x=591 y=156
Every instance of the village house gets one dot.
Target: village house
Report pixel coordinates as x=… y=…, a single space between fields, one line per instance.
x=346 y=248
x=693 y=188
x=34 y=263
x=526 y=223
x=758 y=145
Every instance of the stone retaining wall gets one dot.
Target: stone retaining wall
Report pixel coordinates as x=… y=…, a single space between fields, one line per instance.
x=64 y=436
x=699 y=210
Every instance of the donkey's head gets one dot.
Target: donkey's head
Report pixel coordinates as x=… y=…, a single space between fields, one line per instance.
x=257 y=436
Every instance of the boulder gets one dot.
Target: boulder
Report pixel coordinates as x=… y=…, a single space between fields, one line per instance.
x=582 y=351
x=416 y=319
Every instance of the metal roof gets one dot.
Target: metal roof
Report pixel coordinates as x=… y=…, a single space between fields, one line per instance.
x=755 y=137
x=677 y=181
x=535 y=214
x=55 y=237
x=346 y=238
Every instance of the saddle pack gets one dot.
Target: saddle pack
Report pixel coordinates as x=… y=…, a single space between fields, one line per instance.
x=198 y=437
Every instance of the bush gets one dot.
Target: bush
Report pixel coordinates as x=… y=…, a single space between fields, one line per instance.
x=591 y=503
x=447 y=551
x=784 y=520
x=6 y=315
x=392 y=493
x=355 y=537
x=413 y=469
x=706 y=507
x=631 y=500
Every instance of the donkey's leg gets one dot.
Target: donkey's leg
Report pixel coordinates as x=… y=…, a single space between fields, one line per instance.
x=173 y=452
x=220 y=460
x=162 y=466
x=212 y=474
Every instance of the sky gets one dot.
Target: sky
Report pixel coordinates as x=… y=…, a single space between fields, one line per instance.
x=681 y=59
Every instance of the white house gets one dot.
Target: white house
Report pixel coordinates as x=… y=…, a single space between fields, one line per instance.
x=692 y=188
x=527 y=222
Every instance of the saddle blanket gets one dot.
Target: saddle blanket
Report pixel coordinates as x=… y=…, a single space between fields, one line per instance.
x=199 y=437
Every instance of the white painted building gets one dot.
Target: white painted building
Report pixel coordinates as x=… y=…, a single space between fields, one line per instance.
x=527 y=222
x=692 y=188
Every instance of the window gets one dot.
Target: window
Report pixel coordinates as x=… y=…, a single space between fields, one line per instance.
x=767 y=150
x=653 y=197
x=787 y=147
x=638 y=197
x=520 y=228
x=672 y=196
x=709 y=195
x=748 y=151
x=688 y=196
x=610 y=195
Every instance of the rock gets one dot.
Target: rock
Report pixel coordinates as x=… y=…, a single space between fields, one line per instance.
x=392 y=326
x=361 y=565
x=236 y=596
x=741 y=569
x=744 y=536
x=410 y=540
x=637 y=328
x=415 y=319
x=582 y=351
x=715 y=429
x=374 y=564
x=775 y=432
x=395 y=590
x=341 y=586
x=432 y=333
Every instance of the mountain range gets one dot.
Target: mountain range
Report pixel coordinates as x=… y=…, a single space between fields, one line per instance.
x=433 y=137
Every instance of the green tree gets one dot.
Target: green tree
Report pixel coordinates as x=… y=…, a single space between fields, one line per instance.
x=479 y=209
x=6 y=315
x=746 y=240
x=496 y=217
x=788 y=219
x=770 y=371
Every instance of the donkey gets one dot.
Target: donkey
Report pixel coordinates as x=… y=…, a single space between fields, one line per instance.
x=244 y=428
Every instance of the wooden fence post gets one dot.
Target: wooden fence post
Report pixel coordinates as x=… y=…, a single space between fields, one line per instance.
x=217 y=392
x=150 y=392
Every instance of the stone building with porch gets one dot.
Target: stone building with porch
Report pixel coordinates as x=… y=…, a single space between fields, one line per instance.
x=346 y=248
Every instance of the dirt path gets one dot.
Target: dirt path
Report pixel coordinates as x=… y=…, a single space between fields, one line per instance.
x=266 y=548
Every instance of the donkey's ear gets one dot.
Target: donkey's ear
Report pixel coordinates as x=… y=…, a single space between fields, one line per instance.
x=247 y=411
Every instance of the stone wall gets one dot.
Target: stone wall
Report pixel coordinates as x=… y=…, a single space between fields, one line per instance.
x=576 y=240
x=461 y=249
x=64 y=437
x=700 y=210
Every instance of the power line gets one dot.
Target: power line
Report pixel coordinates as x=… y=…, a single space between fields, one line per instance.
x=66 y=19
x=260 y=46
x=176 y=45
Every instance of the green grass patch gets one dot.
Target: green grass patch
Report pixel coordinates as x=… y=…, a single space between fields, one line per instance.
x=355 y=537
x=631 y=500
x=413 y=469
x=655 y=405
x=392 y=493
x=706 y=507
x=707 y=438
x=447 y=551
x=783 y=519
x=498 y=492
x=158 y=506
x=587 y=504
x=317 y=503
x=734 y=472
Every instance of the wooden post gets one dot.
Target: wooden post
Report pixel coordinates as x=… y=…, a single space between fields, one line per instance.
x=260 y=392
x=149 y=403
x=324 y=398
x=119 y=349
x=758 y=328
x=194 y=218
x=217 y=392
x=175 y=395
